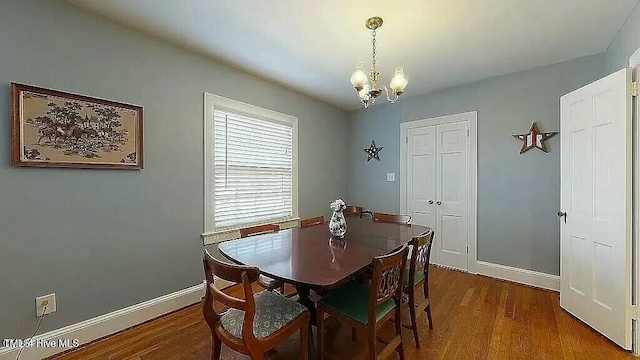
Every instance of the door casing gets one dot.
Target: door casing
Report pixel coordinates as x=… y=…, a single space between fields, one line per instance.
x=634 y=63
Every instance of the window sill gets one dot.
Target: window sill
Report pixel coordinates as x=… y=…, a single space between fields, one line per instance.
x=217 y=237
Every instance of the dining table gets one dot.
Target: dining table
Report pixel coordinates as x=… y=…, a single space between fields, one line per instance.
x=311 y=258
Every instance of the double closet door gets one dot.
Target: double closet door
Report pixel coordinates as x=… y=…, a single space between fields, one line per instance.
x=437 y=188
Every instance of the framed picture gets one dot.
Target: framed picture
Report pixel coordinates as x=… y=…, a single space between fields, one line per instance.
x=52 y=128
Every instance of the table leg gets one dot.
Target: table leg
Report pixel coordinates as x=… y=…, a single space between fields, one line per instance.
x=305 y=300
x=304 y=293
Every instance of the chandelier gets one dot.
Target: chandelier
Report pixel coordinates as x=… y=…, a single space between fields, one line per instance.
x=369 y=92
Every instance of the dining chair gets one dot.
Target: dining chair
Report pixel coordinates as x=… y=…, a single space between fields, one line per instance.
x=259 y=230
x=317 y=220
x=382 y=299
x=353 y=210
x=264 y=281
x=255 y=324
x=416 y=275
x=391 y=218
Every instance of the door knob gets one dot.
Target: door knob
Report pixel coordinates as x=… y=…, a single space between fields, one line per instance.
x=563 y=214
x=430 y=202
x=439 y=202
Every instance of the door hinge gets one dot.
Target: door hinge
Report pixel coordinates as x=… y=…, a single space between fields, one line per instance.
x=635 y=88
x=467 y=249
x=468 y=132
x=406 y=140
x=635 y=312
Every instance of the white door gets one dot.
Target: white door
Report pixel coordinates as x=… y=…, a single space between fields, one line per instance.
x=437 y=188
x=595 y=264
x=451 y=195
x=421 y=180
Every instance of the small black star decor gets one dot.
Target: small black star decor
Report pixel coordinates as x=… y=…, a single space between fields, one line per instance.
x=372 y=151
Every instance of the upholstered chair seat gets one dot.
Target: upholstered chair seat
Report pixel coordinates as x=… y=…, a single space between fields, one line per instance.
x=273 y=312
x=351 y=299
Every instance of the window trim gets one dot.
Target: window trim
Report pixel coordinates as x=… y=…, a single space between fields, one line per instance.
x=211 y=103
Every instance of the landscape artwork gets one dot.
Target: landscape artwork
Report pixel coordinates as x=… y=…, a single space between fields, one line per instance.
x=56 y=129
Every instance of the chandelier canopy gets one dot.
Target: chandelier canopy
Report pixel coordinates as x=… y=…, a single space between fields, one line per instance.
x=369 y=92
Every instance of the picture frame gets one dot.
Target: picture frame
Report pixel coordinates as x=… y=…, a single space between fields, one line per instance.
x=51 y=128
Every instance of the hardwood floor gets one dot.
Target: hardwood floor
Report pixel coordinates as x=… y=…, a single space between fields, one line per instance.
x=475 y=317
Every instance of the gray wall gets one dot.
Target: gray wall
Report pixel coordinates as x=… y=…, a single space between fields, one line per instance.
x=104 y=239
x=626 y=42
x=518 y=195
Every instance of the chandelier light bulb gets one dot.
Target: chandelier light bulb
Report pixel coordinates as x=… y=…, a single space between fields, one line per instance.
x=359 y=77
x=399 y=81
x=364 y=92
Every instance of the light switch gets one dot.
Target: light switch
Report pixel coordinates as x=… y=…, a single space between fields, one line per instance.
x=391 y=176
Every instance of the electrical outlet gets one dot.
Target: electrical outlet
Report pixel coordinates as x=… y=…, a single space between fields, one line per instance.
x=391 y=176
x=46 y=300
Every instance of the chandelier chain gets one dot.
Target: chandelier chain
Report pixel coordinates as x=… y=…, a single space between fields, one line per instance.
x=373 y=53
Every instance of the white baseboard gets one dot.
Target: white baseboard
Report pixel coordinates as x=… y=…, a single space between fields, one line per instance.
x=104 y=325
x=522 y=276
x=448 y=267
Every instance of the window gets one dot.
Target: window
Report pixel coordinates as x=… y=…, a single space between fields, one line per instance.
x=250 y=165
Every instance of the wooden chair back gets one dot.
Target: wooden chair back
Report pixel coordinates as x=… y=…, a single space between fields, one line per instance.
x=386 y=281
x=318 y=220
x=367 y=212
x=391 y=218
x=420 y=254
x=234 y=273
x=259 y=230
x=353 y=210
x=418 y=276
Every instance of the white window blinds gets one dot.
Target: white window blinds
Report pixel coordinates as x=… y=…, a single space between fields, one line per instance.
x=253 y=170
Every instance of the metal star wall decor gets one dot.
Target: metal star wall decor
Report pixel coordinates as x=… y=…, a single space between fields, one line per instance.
x=373 y=151
x=534 y=138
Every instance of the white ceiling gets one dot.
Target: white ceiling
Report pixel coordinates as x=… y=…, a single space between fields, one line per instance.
x=312 y=46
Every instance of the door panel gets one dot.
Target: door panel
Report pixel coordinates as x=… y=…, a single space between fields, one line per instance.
x=577 y=281
x=421 y=169
x=602 y=256
x=450 y=234
x=451 y=199
x=595 y=267
x=421 y=166
x=579 y=175
x=450 y=191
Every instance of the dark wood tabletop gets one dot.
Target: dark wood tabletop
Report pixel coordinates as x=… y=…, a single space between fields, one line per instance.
x=312 y=258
